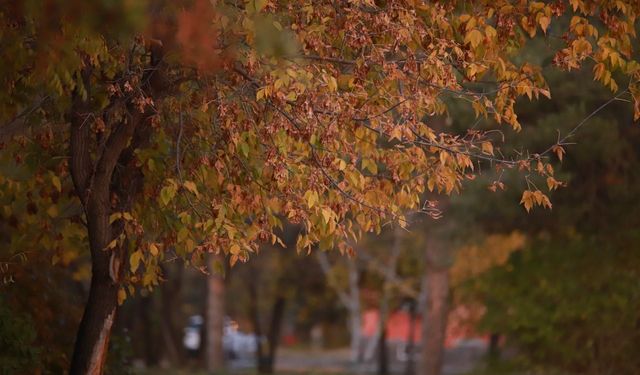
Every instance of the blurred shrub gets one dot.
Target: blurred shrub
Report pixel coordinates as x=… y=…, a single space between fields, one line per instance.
x=18 y=351
x=571 y=306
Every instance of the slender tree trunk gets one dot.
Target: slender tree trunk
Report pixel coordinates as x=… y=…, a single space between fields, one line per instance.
x=255 y=316
x=383 y=354
x=435 y=320
x=267 y=365
x=409 y=370
x=215 y=318
x=494 y=347
x=266 y=350
x=355 y=318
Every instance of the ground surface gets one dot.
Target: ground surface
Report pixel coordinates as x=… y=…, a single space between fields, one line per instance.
x=459 y=360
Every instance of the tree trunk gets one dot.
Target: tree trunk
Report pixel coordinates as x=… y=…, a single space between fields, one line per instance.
x=411 y=339
x=435 y=320
x=494 y=347
x=255 y=316
x=215 y=318
x=383 y=354
x=267 y=363
x=95 y=184
x=92 y=340
x=354 y=312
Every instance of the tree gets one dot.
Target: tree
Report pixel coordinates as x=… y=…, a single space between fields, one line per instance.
x=580 y=257
x=235 y=117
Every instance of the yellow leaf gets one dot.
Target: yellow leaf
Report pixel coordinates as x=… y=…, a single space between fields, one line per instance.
x=544 y=22
x=396 y=133
x=166 y=194
x=333 y=84
x=153 y=249
x=490 y=32
x=114 y=216
x=191 y=186
x=134 y=261
x=260 y=4
x=370 y=165
x=327 y=214
x=487 y=148
x=234 y=249
x=112 y=244
x=311 y=197
x=473 y=37
x=55 y=180
x=122 y=295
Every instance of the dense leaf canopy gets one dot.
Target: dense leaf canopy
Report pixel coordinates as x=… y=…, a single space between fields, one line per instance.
x=241 y=115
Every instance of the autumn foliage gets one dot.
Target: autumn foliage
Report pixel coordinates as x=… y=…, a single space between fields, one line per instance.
x=212 y=124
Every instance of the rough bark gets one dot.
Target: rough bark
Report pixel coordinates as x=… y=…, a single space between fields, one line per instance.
x=215 y=319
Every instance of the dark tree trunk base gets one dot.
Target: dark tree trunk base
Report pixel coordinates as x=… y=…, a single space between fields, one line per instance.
x=92 y=341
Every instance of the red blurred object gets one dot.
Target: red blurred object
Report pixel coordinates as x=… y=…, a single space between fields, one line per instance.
x=399 y=323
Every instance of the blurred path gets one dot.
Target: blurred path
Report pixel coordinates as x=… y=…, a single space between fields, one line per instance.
x=458 y=360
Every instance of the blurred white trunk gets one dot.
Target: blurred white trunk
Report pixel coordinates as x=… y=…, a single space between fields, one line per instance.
x=350 y=300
